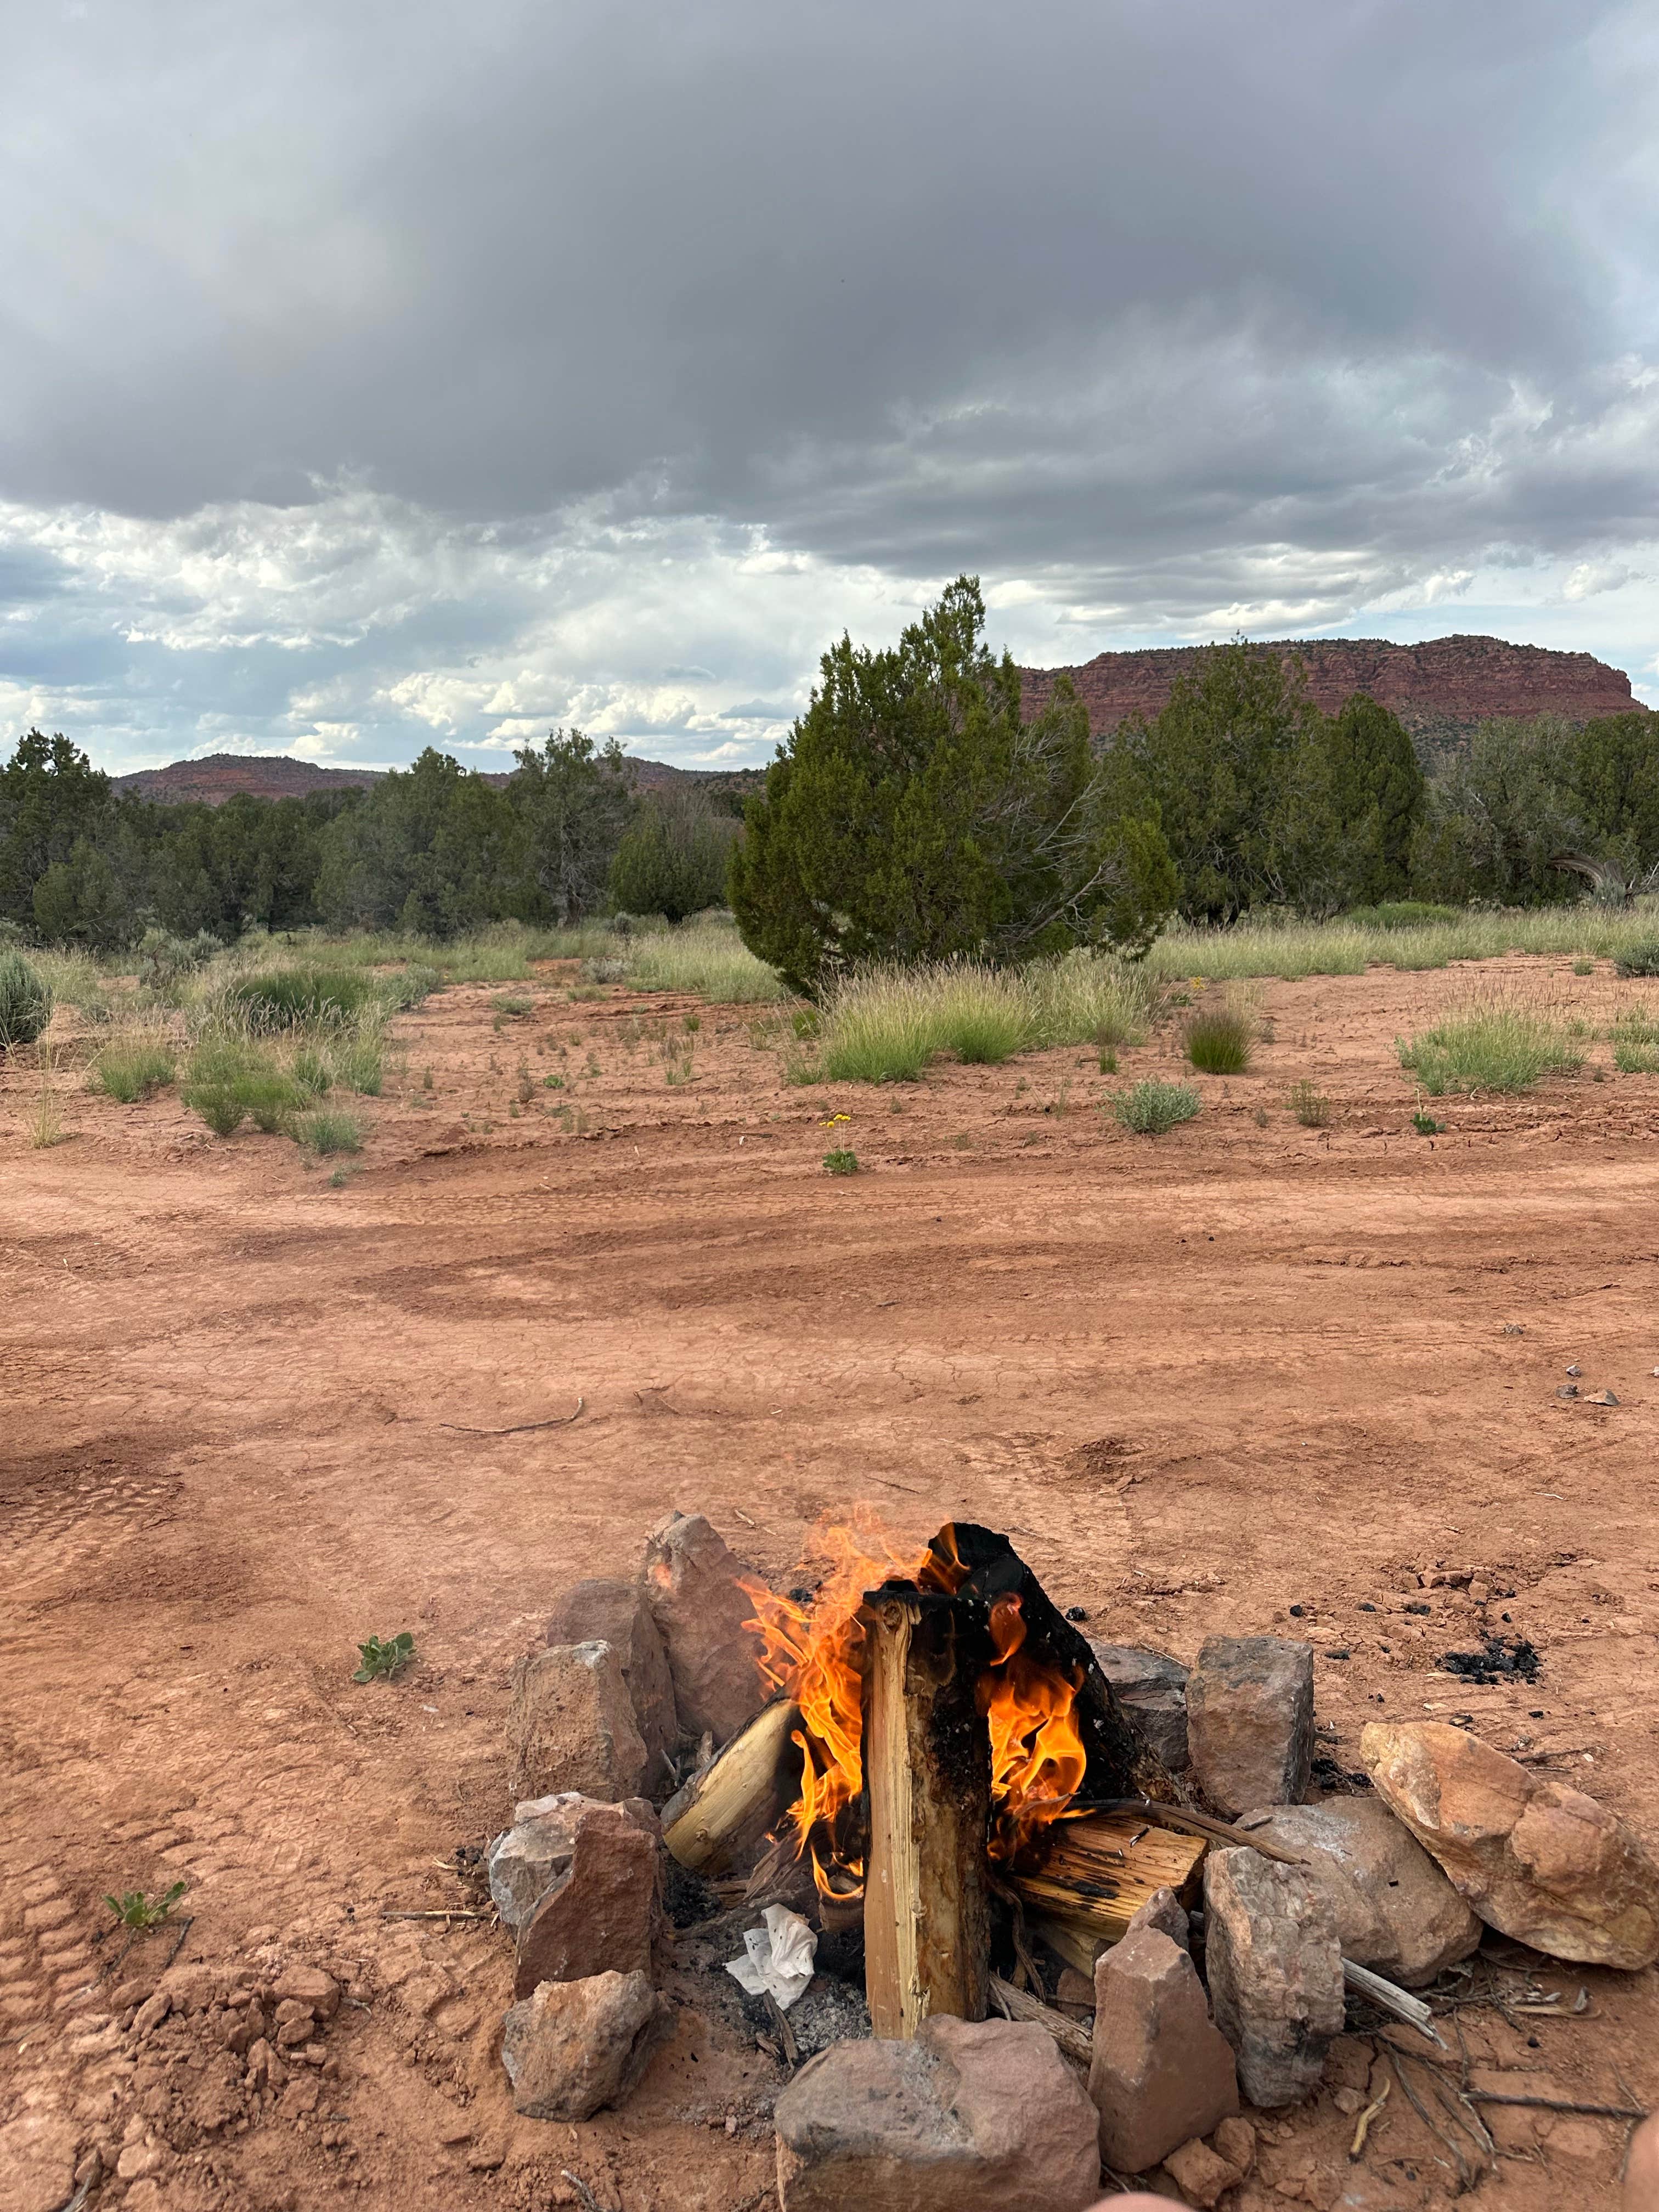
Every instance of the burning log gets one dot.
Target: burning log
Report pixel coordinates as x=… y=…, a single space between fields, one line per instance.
x=927 y=1770
x=1097 y=1872
x=727 y=1809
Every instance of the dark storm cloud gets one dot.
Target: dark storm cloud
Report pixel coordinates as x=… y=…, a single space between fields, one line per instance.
x=1160 y=311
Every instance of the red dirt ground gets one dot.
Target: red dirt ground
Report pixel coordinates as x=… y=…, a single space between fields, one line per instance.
x=1200 y=1380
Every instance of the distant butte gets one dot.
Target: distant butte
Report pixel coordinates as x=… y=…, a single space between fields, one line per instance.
x=219 y=776
x=1440 y=688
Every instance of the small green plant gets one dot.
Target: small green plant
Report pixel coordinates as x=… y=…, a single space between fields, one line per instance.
x=693 y=1023
x=133 y=1910
x=840 y=1163
x=1426 y=1125
x=425 y=1079
x=1260 y=1117
x=1108 y=1062
x=282 y=998
x=1584 y=967
x=1635 y=1037
x=272 y=1101
x=511 y=1003
x=46 y=1123
x=326 y=1132
x=805 y=1022
x=311 y=1071
x=1218 y=1040
x=1310 y=1106
x=129 y=1066
x=1641 y=958
x=383 y=1661
x=553 y=1083
x=25 y=1002
x=1153 y=1107
x=359 y=1063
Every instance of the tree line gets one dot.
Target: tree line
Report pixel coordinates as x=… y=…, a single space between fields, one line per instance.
x=432 y=850
x=912 y=813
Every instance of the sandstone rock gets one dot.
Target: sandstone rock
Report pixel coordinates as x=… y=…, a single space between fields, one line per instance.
x=1152 y=1688
x=1275 y=1970
x=1641 y=2170
x=523 y=1864
x=619 y=1614
x=1162 y=2071
x=602 y=1915
x=571 y=2047
x=691 y=1580
x=1163 y=1912
x=1536 y=1859
x=1235 y=2140
x=571 y=1725
x=1249 y=1720
x=153 y=2011
x=971 y=2117
x=309 y=1985
x=1396 y=1912
x=1201 y=2173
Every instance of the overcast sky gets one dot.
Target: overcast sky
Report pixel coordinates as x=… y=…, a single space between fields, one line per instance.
x=379 y=376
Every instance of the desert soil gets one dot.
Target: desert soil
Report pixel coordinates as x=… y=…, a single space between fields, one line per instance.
x=246 y=1418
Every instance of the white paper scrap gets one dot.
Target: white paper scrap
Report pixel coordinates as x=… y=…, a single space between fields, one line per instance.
x=778 y=1958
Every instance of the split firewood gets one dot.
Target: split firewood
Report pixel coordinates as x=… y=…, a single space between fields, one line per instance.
x=928 y=1769
x=1098 y=1872
x=1392 y=1998
x=1020 y=2004
x=729 y=1806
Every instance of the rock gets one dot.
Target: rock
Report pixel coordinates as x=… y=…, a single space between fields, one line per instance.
x=523 y=1864
x=1235 y=2140
x=1537 y=1860
x=693 y=1582
x=603 y=1914
x=138 y=2159
x=618 y=1614
x=1152 y=1688
x=153 y=2011
x=1275 y=1970
x=1396 y=1912
x=970 y=2116
x=571 y=1725
x=307 y=1986
x=1201 y=2173
x=1641 y=2170
x=1162 y=2071
x=1163 y=1912
x=1249 y=1720
x=571 y=2047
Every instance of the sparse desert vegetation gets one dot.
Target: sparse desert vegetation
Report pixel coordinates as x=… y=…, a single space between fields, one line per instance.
x=1497 y=1044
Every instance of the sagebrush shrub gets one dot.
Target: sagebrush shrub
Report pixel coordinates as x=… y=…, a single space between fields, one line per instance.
x=1153 y=1107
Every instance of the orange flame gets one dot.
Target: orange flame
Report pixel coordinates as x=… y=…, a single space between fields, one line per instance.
x=817 y=1654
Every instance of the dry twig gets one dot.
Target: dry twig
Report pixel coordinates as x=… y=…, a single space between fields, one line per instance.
x=396 y=1912
x=1363 y=2125
x=518 y=1428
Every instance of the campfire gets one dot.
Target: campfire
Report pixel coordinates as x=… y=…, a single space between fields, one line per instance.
x=942 y=1753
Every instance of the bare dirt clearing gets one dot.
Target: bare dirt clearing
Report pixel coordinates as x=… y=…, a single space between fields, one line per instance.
x=1202 y=1381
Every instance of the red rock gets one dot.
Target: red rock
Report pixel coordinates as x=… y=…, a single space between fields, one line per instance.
x=1458 y=681
x=571 y=1725
x=618 y=1614
x=694 y=1583
x=971 y=2117
x=309 y=1985
x=1641 y=2170
x=1537 y=1860
x=1201 y=2173
x=602 y=1915
x=571 y=2047
x=1235 y=2140
x=1249 y=1720
x=1275 y=1970
x=1162 y=2072
x=1163 y=1912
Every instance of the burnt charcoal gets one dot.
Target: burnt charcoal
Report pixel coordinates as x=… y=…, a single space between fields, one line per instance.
x=1328 y=1775
x=828 y=2010
x=689 y=1898
x=1419 y=1608
x=1501 y=1659
x=841 y=1955
x=1075 y=1613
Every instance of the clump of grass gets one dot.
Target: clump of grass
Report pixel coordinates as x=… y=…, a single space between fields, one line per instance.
x=1311 y=1108
x=358 y=1060
x=1498 y=1045
x=1218 y=1039
x=24 y=1002
x=1584 y=967
x=513 y=1004
x=284 y=998
x=1400 y=914
x=133 y=1064
x=1089 y=998
x=327 y=1131
x=311 y=1071
x=1639 y=958
x=45 y=1123
x=707 y=957
x=878 y=1026
x=1153 y=1107
x=224 y=1074
x=840 y=1163
x=1636 y=1042
x=982 y=1014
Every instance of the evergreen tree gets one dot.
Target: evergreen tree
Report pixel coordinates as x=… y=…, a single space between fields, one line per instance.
x=432 y=851
x=575 y=802
x=1612 y=771
x=912 y=815
x=673 y=857
x=1498 y=816
x=50 y=796
x=1375 y=792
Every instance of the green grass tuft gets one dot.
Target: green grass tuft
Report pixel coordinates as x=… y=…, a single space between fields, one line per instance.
x=131 y=1065
x=329 y=1131
x=1499 y=1046
x=284 y=998
x=1218 y=1040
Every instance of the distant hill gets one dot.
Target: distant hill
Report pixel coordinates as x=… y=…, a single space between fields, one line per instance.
x=219 y=776
x=1440 y=690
